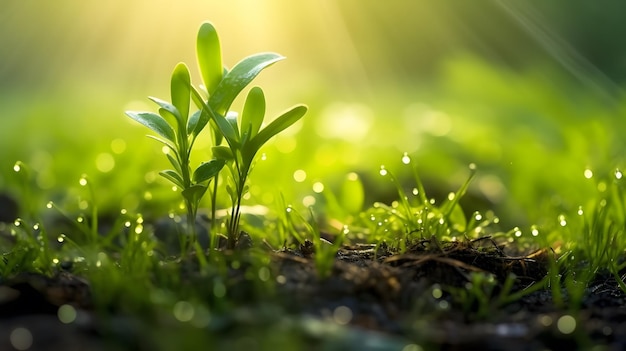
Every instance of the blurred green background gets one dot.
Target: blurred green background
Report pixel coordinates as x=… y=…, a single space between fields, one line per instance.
x=530 y=91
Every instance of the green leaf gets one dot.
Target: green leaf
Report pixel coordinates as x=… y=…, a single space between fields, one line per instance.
x=197 y=122
x=174 y=162
x=238 y=78
x=194 y=193
x=169 y=108
x=181 y=90
x=155 y=122
x=253 y=112
x=209 y=56
x=352 y=195
x=173 y=177
x=208 y=170
x=167 y=143
x=222 y=152
x=278 y=125
x=222 y=124
x=231 y=117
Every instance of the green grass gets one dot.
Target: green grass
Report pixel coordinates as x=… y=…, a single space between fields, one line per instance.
x=545 y=177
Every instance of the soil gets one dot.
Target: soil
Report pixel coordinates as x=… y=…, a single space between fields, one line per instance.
x=370 y=299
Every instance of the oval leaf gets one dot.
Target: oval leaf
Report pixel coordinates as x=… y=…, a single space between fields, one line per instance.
x=180 y=89
x=223 y=126
x=208 y=170
x=278 y=125
x=253 y=112
x=155 y=122
x=173 y=177
x=238 y=78
x=168 y=107
x=194 y=193
x=222 y=152
x=209 y=54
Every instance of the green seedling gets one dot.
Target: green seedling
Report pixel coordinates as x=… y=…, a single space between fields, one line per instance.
x=244 y=136
x=177 y=130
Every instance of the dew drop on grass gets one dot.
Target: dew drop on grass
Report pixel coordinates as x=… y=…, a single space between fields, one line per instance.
x=82 y=181
x=21 y=338
x=123 y=211
x=618 y=174
x=588 y=173
x=346 y=230
x=562 y=221
x=534 y=231
x=127 y=224
x=263 y=157
x=383 y=171
x=138 y=229
x=342 y=315
x=61 y=238
x=517 y=232
x=318 y=187
x=17 y=222
x=415 y=191
x=478 y=216
x=299 y=175
x=80 y=219
x=406 y=159
x=36 y=226
x=183 y=311
x=49 y=205
x=17 y=166
x=451 y=196
x=580 y=211
x=66 y=314
x=566 y=324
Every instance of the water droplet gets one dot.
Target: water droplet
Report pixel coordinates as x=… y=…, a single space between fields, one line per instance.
x=61 y=238
x=138 y=229
x=478 y=216
x=566 y=324
x=18 y=166
x=50 y=204
x=406 y=159
x=415 y=191
x=580 y=211
x=36 y=226
x=17 y=222
x=562 y=221
x=534 y=231
x=80 y=219
x=289 y=209
x=472 y=167
x=346 y=230
x=383 y=172
x=127 y=224
x=263 y=157
x=299 y=175
x=618 y=174
x=123 y=211
x=517 y=232
x=82 y=181
x=451 y=196
x=588 y=173
x=318 y=187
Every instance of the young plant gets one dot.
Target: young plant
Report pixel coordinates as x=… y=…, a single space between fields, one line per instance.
x=178 y=131
x=244 y=137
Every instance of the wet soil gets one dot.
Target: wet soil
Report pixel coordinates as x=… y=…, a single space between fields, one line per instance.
x=370 y=299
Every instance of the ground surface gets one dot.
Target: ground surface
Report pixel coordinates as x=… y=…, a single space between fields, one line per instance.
x=372 y=298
